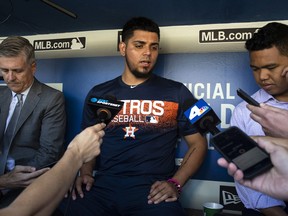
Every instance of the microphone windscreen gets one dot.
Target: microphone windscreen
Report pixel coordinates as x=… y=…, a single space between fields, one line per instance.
x=105 y=108
x=202 y=116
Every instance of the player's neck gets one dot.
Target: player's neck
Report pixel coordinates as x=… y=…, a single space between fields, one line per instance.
x=130 y=79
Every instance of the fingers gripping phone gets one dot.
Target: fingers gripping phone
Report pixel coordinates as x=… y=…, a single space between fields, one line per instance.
x=247 y=97
x=243 y=151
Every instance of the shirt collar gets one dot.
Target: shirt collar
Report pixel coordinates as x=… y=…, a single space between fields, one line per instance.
x=25 y=93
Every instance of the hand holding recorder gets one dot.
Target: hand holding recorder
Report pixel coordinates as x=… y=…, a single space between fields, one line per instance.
x=273 y=182
x=232 y=143
x=274 y=121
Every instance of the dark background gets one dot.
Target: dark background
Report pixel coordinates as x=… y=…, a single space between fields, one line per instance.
x=30 y=17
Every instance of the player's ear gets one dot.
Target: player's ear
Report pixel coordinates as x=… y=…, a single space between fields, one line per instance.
x=122 y=48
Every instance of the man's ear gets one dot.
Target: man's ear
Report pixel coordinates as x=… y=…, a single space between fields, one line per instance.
x=33 y=67
x=122 y=48
x=285 y=72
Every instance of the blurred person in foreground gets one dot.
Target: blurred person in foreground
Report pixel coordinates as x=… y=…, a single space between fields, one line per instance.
x=42 y=196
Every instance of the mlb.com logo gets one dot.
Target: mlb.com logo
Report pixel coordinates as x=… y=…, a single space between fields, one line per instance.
x=199 y=109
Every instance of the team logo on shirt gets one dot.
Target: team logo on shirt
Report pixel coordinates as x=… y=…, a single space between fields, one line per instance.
x=152 y=119
x=130 y=131
x=145 y=115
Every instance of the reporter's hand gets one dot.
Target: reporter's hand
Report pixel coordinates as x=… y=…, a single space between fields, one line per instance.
x=20 y=176
x=86 y=146
x=232 y=169
x=273 y=182
x=87 y=143
x=162 y=191
x=274 y=121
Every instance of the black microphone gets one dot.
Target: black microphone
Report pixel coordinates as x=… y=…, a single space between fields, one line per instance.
x=202 y=116
x=106 y=108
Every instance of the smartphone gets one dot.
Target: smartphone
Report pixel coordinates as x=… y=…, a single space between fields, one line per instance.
x=50 y=165
x=247 y=97
x=243 y=151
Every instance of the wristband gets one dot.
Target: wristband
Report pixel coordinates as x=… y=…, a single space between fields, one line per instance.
x=176 y=184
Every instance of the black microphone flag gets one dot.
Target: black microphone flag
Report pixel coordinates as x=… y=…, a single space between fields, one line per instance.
x=105 y=108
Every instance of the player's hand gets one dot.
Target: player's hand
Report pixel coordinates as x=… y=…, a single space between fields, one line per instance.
x=83 y=181
x=162 y=191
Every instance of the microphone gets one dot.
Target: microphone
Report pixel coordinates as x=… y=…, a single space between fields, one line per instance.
x=105 y=108
x=202 y=116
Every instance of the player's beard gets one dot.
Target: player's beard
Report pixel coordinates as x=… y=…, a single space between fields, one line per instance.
x=137 y=73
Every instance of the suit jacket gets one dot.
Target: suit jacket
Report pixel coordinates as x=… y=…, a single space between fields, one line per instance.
x=40 y=131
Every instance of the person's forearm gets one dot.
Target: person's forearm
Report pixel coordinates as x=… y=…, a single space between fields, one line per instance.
x=87 y=168
x=43 y=195
x=191 y=162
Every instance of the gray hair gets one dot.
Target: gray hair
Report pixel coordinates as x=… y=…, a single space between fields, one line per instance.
x=14 y=46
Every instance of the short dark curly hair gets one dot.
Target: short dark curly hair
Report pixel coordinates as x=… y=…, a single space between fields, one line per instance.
x=272 y=34
x=139 y=23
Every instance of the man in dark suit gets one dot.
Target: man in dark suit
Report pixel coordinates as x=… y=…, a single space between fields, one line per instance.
x=38 y=136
